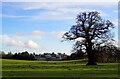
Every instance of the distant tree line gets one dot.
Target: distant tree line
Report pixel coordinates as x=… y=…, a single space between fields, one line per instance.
x=77 y=55
x=106 y=53
x=20 y=56
x=31 y=56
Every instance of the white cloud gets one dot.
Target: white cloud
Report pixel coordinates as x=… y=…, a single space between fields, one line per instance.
x=79 y=39
x=14 y=42
x=56 y=5
x=54 y=11
x=62 y=14
x=31 y=44
x=116 y=11
x=13 y=16
x=34 y=33
x=115 y=22
x=61 y=1
x=102 y=13
x=11 y=41
x=37 y=32
x=4 y=38
x=57 y=34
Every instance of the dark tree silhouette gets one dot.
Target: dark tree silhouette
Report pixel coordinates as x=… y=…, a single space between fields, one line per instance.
x=92 y=29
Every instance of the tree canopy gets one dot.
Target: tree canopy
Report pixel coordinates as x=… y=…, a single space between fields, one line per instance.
x=92 y=29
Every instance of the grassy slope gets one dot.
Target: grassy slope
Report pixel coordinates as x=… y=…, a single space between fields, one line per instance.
x=57 y=69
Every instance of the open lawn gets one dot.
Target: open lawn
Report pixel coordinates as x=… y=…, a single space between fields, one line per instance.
x=72 y=69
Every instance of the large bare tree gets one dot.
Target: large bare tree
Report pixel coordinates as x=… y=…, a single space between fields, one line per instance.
x=92 y=29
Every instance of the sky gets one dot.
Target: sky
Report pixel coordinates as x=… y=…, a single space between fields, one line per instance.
x=38 y=26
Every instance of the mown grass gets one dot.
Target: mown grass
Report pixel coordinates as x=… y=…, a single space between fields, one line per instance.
x=72 y=69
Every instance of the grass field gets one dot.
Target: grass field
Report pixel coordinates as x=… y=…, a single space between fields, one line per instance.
x=72 y=69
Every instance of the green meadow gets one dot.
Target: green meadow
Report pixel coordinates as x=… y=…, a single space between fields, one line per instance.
x=69 y=69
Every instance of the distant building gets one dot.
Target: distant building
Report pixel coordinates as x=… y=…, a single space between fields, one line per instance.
x=38 y=57
x=48 y=56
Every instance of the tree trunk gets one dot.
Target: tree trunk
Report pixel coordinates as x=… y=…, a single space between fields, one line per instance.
x=91 y=58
